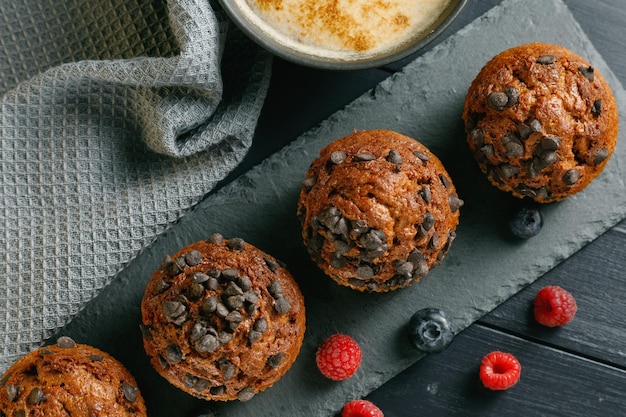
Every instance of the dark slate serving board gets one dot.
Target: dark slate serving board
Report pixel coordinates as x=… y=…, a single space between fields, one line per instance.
x=484 y=267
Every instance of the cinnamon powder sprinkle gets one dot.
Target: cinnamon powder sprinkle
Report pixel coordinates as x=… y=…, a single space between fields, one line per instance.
x=355 y=25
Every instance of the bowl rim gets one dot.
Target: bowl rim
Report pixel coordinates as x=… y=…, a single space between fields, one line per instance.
x=366 y=62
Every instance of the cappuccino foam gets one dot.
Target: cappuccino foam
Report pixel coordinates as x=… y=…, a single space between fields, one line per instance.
x=341 y=28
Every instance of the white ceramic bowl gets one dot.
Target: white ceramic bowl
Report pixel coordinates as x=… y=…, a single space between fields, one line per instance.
x=295 y=51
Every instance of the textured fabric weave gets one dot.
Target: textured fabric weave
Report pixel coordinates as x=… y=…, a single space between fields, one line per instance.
x=116 y=117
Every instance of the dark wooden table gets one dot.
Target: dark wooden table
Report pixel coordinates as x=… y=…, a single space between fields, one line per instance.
x=576 y=370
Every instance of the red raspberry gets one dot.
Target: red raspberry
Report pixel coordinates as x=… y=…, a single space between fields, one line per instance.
x=554 y=306
x=338 y=357
x=361 y=408
x=499 y=370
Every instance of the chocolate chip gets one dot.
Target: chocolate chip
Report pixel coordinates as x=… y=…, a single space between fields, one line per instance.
x=251 y=296
x=445 y=181
x=130 y=392
x=478 y=137
x=329 y=217
x=224 y=337
x=309 y=182
x=196 y=383
x=160 y=286
x=260 y=325
x=200 y=277
x=337 y=260
x=428 y=221
x=236 y=244
x=512 y=95
x=96 y=358
x=546 y=59
x=245 y=283
x=179 y=264
x=174 y=311
x=197 y=332
x=549 y=158
x=66 y=342
x=271 y=264
x=394 y=157
x=227 y=368
x=373 y=239
x=571 y=177
x=338 y=157
x=404 y=268
x=253 y=336
x=274 y=360
x=365 y=272
x=275 y=289
x=536 y=126
x=364 y=157
x=455 y=203
x=341 y=247
x=524 y=130
x=600 y=155
x=230 y=274
x=550 y=143
x=245 y=394
x=193 y=258
x=434 y=241
x=369 y=255
x=497 y=100
x=219 y=390
x=233 y=289
x=216 y=238
x=173 y=354
x=587 y=72
x=234 y=302
x=209 y=305
x=533 y=167
x=207 y=343
x=484 y=152
x=195 y=291
x=282 y=305
x=513 y=148
x=221 y=310
x=12 y=392
x=426 y=194
x=507 y=171
x=421 y=156
x=596 y=109
x=234 y=318
x=36 y=396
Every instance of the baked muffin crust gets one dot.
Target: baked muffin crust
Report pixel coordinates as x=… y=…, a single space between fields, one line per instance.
x=541 y=121
x=378 y=210
x=69 y=379
x=222 y=320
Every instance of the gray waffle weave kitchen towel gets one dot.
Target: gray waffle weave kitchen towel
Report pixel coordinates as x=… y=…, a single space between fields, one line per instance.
x=116 y=117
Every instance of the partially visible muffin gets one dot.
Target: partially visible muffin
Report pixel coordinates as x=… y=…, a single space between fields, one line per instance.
x=541 y=121
x=222 y=320
x=378 y=210
x=69 y=379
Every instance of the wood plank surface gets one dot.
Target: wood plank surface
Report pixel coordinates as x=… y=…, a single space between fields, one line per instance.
x=552 y=383
x=596 y=276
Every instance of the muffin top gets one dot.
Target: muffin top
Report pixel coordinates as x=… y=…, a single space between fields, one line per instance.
x=69 y=379
x=541 y=121
x=222 y=320
x=378 y=210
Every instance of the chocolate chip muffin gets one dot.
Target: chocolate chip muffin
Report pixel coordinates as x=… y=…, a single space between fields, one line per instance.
x=222 y=320
x=541 y=121
x=69 y=379
x=378 y=210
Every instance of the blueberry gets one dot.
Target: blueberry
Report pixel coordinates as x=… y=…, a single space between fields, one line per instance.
x=430 y=331
x=526 y=222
